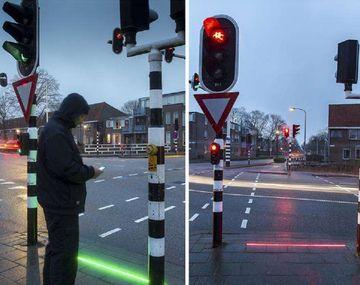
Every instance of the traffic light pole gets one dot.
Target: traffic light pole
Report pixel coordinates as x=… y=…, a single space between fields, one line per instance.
x=32 y=202
x=218 y=193
x=249 y=155
x=289 y=167
x=228 y=146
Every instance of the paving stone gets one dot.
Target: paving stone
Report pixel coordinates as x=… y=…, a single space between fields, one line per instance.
x=15 y=273
x=5 y=265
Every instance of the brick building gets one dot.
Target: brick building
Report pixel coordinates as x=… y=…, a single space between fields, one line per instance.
x=344 y=133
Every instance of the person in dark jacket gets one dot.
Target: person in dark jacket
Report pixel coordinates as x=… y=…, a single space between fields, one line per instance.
x=61 y=178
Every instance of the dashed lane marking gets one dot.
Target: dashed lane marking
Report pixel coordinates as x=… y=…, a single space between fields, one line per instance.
x=171 y=187
x=2 y=180
x=133 y=174
x=205 y=206
x=117 y=177
x=106 y=207
x=252 y=194
x=100 y=180
x=244 y=224
x=7 y=183
x=194 y=217
x=250 y=201
x=247 y=211
x=170 y=208
x=132 y=199
x=17 y=187
x=145 y=172
x=82 y=214
x=254 y=188
x=109 y=232
x=183 y=184
x=23 y=197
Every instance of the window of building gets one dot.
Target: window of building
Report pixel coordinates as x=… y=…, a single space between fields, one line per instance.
x=346 y=153
x=335 y=133
x=168 y=137
x=192 y=117
x=175 y=116
x=168 y=118
x=357 y=152
x=354 y=134
x=117 y=124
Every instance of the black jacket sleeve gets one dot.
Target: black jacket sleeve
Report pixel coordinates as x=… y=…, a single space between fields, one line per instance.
x=61 y=160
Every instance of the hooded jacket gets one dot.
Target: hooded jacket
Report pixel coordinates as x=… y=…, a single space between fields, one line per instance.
x=61 y=173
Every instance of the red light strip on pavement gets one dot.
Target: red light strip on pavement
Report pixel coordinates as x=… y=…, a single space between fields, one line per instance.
x=296 y=244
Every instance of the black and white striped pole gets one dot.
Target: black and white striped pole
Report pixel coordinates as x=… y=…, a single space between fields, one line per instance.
x=32 y=202
x=249 y=154
x=289 y=171
x=176 y=145
x=97 y=138
x=227 y=145
x=156 y=203
x=218 y=193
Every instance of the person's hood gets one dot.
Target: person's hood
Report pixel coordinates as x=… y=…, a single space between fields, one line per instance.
x=71 y=107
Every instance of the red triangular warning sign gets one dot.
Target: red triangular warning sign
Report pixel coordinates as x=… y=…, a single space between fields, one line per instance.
x=25 y=91
x=216 y=107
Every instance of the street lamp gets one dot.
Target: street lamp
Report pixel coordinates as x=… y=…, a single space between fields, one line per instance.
x=293 y=109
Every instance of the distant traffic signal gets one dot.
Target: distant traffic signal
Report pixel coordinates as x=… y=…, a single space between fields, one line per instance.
x=218 y=53
x=286 y=132
x=195 y=82
x=3 y=79
x=135 y=16
x=215 y=153
x=347 y=62
x=25 y=32
x=169 y=54
x=295 y=130
x=23 y=142
x=117 y=41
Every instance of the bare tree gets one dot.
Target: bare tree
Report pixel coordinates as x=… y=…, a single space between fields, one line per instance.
x=257 y=121
x=130 y=106
x=8 y=105
x=239 y=115
x=274 y=123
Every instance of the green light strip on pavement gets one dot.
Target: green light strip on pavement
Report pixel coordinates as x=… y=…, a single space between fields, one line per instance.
x=118 y=271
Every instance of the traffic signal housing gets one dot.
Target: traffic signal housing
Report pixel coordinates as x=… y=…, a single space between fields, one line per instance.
x=169 y=54
x=215 y=153
x=177 y=13
x=26 y=33
x=347 y=62
x=286 y=132
x=295 y=130
x=135 y=16
x=117 y=41
x=23 y=142
x=195 y=82
x=218 y=53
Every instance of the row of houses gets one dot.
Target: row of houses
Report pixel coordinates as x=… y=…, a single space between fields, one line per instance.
x=112 y=126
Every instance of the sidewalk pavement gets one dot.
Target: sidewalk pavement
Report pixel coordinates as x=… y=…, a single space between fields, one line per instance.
x=235 y=263
x=20 y=264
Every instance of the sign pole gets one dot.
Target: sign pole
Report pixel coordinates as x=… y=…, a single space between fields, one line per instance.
x=289 y=171
x=32 y=202
x=228 y=141
x=156 y=176
x=218 y=193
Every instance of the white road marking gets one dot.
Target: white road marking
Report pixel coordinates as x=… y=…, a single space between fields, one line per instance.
x=254 y=188
x=331 y=182
x=226 y=186
x=247 y=211
x=194 y=217
x=145 y=172
x=280 y=197
x=117 y=177
x=244 y=224
x=2 y=180
x=233 y=180
x=170 y=208
x=109 y=232
x=100 y=180
x=205 y=206
x=183 y=184
x=133 y=174
x=23 y=197
x=82 y=214
x=141 y=219
x=17 y=187
x=7 y=183
x=252 y=194
x=106 y=207
x=132 y=199
x=171 y=187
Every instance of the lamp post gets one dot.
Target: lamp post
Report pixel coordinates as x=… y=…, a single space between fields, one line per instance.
x=296 y=108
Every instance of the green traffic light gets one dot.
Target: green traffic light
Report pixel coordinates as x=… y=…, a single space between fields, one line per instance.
x=16 y=51
x=113 y=269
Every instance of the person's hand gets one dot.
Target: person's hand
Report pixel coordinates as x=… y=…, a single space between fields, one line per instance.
x=98 y=172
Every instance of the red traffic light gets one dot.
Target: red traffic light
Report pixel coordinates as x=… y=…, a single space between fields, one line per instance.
x=214 y=30
x=214 y=148
x=286 y=132
x=169 y=54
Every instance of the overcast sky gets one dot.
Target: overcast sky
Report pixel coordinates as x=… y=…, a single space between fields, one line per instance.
x=286 y=54
x=74 y=49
